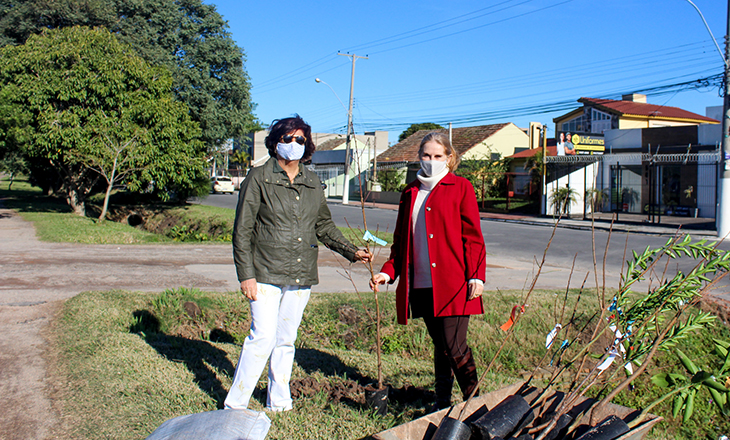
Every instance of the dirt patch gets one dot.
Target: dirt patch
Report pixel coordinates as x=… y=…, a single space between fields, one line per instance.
x=718 y=307
x=350 y=391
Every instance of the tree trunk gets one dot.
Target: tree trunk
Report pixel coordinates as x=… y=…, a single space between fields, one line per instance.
x=77 y=201
x=110 y=184
x=102 y=216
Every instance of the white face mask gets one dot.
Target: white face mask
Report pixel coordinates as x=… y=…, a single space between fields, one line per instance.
x=290 y=151
x=433 y=167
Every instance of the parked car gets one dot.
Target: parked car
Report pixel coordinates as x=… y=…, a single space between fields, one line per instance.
x=222 y=184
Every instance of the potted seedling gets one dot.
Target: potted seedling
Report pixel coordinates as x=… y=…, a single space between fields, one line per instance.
x=638 y=325
x=376 y=394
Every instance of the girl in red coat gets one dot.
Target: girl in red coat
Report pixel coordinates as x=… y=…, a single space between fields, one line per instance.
x=439 y=255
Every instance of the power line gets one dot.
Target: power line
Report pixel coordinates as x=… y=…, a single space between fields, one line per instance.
x=551 y=107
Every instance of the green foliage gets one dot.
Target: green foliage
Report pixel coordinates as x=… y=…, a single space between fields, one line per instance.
x=535 y=166
x=91 y=109
x=187 y=36
x=13 y=163
x=659 y=319
x=186 y=233
x=487 y=174
x=391 y=180
x=711 y=379
x=241 y=157
x=416 y=127
x=596 y=198
x=562 y=198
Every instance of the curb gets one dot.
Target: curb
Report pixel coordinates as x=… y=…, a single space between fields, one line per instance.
x=573 y=224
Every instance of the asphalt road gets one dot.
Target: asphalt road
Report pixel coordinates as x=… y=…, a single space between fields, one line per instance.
x=524 y=244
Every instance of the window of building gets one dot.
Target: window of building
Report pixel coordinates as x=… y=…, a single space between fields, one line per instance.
x=600 y=121
x=575 y=125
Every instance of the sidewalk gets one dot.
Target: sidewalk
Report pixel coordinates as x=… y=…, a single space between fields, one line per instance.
x=627 y=222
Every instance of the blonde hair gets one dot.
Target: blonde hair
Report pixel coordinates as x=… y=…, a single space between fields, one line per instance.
x=443 y=140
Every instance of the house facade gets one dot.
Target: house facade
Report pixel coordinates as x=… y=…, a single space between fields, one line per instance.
x=329 y=158
x=329 y=161
x=484 y=142
x=642 y=158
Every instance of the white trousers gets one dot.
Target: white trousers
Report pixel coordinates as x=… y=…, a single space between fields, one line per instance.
x=275 y=318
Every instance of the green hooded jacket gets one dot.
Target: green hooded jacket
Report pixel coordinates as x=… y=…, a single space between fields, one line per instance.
x=278 y=226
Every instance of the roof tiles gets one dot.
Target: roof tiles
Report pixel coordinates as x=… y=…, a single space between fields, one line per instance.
x=463 y=139
x=631 y=108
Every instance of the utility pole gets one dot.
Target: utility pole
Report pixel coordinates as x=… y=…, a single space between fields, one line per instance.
x=543 y=198
x=723 y=194
x=350 y=131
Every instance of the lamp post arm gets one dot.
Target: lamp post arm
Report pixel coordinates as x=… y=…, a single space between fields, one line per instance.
x=333 y=91
x=724 y=60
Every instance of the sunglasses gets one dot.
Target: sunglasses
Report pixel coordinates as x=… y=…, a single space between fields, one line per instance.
x=288 y=138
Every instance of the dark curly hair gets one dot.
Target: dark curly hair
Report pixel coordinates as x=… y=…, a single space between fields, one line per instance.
x=282 y=127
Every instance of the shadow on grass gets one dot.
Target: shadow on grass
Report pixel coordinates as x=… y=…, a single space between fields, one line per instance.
x=32 y=201
x=312 y=361
x=339 y=390
x=202 y=358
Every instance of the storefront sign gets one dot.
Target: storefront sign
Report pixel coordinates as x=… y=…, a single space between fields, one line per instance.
x=588 y=144
x=572 y=143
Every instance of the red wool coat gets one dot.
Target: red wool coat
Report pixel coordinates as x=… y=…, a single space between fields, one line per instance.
x=456 y=247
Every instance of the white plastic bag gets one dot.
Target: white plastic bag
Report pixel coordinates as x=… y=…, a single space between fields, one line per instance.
x=227 y=424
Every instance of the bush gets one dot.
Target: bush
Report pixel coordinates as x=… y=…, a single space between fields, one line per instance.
x=391 y=180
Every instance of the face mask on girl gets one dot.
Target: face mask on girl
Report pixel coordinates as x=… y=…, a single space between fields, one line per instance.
x=433 y=167
x=290 y=151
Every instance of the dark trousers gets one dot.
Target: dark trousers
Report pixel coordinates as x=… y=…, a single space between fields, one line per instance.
x=452 y=355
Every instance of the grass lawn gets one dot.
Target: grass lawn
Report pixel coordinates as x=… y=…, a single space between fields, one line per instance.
x=55 y=222
x=128 y=361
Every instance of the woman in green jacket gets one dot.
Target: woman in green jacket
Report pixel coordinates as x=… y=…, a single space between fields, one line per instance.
x=281 y=215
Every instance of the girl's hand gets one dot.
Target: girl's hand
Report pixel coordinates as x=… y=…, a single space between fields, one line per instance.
x=376 y=281
x=475 y=290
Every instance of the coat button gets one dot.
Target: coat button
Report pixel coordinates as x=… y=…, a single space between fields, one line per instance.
x=428 y=208
x=299 y=239
x=433 y=264
x=297 y=281
x=430 y=235
x=299 y=260
x=297 y=197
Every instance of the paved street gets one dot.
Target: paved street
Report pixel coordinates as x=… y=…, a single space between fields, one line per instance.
x=515 y=244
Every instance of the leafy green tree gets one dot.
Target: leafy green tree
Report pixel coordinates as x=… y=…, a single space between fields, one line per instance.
x=391 y=180
x=21 y=19
x=241 y=158
x=562 y=198
x=13 y=163
x=487 y=175
x=188 y=37
x=415 y=127
x=596 y=198
x=93 y=111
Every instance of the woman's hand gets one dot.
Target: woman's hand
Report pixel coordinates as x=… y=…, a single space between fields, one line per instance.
x=377 y=280
x=475 y=290
x=363 y=255
x=249 y=288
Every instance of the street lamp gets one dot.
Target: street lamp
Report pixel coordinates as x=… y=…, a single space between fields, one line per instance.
x=346 y=183
x=333 y=91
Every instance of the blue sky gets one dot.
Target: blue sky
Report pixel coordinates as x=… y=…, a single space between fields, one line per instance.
x=471 y=62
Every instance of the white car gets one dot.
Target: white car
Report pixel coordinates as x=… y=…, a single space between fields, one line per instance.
x=222 y=184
